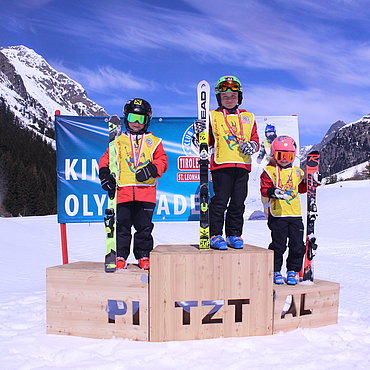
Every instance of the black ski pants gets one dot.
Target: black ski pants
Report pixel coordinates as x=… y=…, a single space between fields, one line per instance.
x=230 y=186
x=282 y=229
x=139 y=215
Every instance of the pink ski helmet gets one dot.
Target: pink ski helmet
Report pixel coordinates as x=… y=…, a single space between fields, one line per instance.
x=284 y=150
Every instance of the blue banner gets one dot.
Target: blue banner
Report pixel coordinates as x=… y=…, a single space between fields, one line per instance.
x=81 y=141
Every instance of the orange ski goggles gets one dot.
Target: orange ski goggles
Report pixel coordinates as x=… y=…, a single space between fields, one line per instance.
x=228 y=85
x=288 y=156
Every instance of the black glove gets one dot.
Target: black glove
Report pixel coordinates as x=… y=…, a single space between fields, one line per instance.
x=107 y=180
x=277 y=193
x=144 y=173
x=248 y=147
x=199 y=126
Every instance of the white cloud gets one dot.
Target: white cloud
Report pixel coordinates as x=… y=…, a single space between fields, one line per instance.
x=105 y=78
x=316 y=109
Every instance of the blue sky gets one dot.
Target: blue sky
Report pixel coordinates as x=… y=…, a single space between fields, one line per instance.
x=304 y=57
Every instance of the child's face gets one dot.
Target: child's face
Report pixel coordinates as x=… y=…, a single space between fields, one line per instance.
x=229 y=99
x=136 y=122
x=284 y=162
x=135 y=126
x=284 y=159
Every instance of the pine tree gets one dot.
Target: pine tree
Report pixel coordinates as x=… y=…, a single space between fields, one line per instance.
x=28 y=169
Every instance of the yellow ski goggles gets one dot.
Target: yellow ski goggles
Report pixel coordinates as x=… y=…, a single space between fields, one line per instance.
x=133 y=117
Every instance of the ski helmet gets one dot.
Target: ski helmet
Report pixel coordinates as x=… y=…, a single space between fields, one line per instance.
x=270 y=132
x=228 y=83
x=284 y=147
x=137 y=110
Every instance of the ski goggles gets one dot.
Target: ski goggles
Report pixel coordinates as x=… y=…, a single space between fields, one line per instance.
x=228 y=86
x=133 y=117
x=288 y=156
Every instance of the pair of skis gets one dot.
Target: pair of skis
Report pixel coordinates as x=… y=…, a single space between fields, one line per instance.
x=312 y=168
x=203 y=98
x=110 y=219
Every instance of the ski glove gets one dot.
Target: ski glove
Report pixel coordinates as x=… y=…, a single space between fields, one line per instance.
x=199 y=126
x=107 y=180
x=248 y=147
x=144 y=173
x=317 y=177
x=277 y=193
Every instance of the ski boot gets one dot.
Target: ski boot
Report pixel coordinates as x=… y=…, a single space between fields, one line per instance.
x=278 y=278
x=291 y=278
x=235 y=242
x=144 y=263
x=120 y=263
x=218 y=242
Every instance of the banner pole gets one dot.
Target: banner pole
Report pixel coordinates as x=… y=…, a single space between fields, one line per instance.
x=63 y=236
x=63 y=229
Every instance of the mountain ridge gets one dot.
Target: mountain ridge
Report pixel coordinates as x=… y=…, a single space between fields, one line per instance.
x=34 y=90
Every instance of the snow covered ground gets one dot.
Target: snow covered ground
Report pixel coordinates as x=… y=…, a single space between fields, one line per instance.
x=31 y=244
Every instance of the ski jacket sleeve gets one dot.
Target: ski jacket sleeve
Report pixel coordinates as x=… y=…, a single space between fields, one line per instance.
x=254 y=135
x=266 y=182
x=302 y=187
x=104 y=159
x=160 y=159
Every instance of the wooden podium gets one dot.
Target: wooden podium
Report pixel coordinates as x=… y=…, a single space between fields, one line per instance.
x=197 y=294
x=83 y=300
x=188 y=294
x=305 y=305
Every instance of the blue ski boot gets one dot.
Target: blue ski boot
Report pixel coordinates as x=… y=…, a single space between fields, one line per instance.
x=291 y=278
x=235 y=242
x=218 y=242
x=278 y=278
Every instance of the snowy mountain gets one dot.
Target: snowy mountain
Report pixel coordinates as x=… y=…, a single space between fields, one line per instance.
x=334 y=128
x=349 y=146
x=343 y=146
x=303 y=151
x=33 y=90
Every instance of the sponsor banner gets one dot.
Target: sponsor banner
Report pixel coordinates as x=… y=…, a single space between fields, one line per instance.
x=81 y=141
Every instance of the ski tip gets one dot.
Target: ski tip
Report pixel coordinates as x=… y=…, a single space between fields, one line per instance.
x=203 y=84
x=115 y=120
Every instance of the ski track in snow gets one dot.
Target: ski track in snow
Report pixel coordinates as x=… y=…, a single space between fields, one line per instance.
x=343 y=256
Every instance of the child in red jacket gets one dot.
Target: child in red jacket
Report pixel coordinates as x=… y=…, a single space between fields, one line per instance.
x=281 y=184
x=141 y=160
x=234 y=139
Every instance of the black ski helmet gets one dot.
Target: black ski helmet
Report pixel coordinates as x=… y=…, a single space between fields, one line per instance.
x=138 y=106
x=224 y=81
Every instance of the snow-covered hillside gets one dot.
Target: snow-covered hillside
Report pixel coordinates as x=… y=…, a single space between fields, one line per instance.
x=34 y=90
x=352 y=171
x=31 y=244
